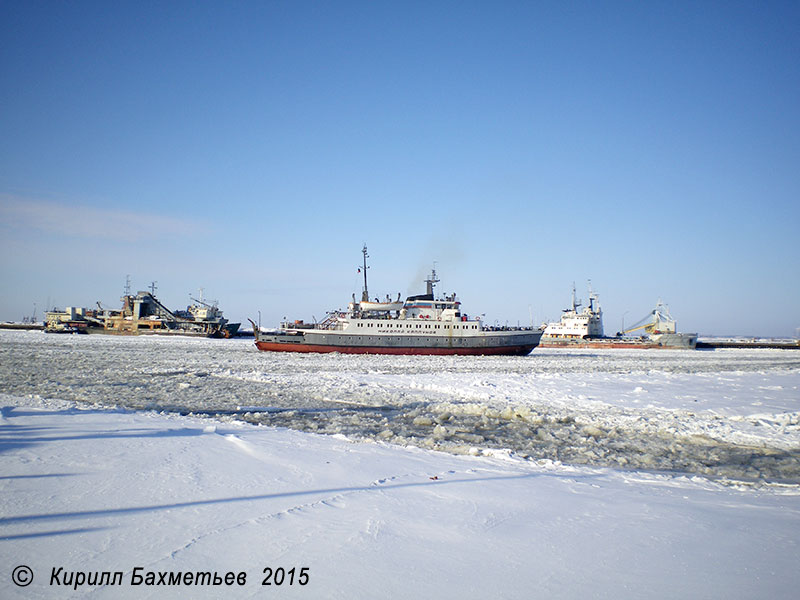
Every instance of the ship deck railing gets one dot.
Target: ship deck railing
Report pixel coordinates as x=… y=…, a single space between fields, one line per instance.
x=330 y=322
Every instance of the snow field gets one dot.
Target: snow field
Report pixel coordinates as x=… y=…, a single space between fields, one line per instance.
x=98 y=489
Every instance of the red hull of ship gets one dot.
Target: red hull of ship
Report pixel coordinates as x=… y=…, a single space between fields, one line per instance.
x=618 y=345
x=318 y=348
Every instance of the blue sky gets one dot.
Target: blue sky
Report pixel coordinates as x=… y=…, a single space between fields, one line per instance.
x=252 y=148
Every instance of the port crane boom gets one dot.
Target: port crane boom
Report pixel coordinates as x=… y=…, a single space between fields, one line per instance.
x=658 y=321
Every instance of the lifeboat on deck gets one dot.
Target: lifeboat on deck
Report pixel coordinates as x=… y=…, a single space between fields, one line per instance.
x=365 y=305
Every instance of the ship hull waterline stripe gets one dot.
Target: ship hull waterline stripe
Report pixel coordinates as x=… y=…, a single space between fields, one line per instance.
x=518 y=350
x=614 y=345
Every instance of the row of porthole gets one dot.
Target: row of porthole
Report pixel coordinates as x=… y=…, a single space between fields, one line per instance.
x=419 y=326
x=381 y=339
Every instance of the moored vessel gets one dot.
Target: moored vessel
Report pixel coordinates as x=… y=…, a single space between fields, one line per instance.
x=584 y=329
x=422 y=324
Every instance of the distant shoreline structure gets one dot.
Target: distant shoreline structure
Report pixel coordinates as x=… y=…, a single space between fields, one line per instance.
x=141 y=314
x=22 y=326
x=703 y=343
x=712 y=342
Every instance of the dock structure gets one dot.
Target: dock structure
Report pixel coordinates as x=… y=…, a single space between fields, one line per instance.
x=749 y=344
x=141 y=314
x=22 y=326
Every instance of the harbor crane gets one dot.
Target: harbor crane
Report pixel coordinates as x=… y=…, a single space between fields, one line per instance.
x=658 y=321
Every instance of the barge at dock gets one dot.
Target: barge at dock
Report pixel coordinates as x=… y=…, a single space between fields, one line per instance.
x=422 y=324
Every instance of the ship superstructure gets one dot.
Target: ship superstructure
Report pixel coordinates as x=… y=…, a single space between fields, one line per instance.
x=587 y=323
x=422 y=324
x=206 y=317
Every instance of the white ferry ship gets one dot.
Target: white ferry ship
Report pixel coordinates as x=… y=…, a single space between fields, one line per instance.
x=421 y=324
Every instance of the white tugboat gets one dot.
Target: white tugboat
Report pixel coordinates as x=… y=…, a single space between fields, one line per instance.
x=584 y=329
x=421 y=324
x=207 y=317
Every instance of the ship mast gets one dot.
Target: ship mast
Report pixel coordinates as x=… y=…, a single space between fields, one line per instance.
x=430 y=281
x=592 y=297
x=365 y=293
x=575 y=302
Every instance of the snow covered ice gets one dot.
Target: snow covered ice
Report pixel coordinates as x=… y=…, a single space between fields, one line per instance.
x=727 y=413
x=569 y=474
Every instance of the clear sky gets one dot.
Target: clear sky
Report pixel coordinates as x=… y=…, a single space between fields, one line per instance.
x=252 y=148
